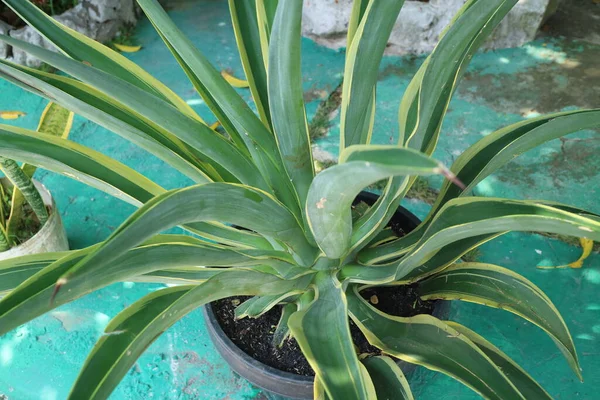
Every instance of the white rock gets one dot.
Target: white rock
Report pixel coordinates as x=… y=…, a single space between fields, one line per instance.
x=97 y=19
x=420 y=24
x=4 y=29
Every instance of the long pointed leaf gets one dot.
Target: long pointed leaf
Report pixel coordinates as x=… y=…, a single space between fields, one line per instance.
x=362 y=69
x=130 y=333
x=328 y=347
x=498 y=287
x=247 y=35
x=521 y=379
x=82 y=48
x=286 y=97
x=427 y=341
x=390 y=382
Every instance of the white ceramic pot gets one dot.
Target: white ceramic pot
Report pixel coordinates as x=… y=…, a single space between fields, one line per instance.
x=51 y=238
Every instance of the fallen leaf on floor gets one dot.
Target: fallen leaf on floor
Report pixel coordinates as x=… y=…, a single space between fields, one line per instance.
x=215 y=125
x=127 y=49
x=587 y=245
x=11 y=114
x=233 y=81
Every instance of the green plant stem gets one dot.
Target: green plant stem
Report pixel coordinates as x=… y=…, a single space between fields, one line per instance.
x=23 y=183
x=4 y=242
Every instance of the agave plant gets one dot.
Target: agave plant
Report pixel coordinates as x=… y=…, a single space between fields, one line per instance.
x=300 y=245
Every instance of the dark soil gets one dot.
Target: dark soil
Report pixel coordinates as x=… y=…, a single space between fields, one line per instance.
x=254 y=336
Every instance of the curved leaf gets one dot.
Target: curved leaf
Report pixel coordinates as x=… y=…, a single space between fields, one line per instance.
x=333 y=190
x=130 y=333
x=328 y=347
x=521 y=379
x=498 y=287
x=469 y=217
x=258 y=305
x=191 y=131
x=78 y=162
x=389 y=380
x=427 y=341
x=36 y=295
x=235 y=204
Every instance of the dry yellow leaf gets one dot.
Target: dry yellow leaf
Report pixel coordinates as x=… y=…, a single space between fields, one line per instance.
x=233 y=81
x=127 y=49
x=215 y=125
x=11 y=114
x=587 y=245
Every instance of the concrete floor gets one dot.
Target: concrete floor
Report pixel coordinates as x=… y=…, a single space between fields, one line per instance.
x=556 y=72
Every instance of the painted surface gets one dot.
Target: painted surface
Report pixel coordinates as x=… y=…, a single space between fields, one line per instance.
x=40 y=360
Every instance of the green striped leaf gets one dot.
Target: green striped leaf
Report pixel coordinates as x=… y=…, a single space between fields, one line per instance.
x=258 y=305
x=130 y=333
x=37 y=295
x=76 y=161
x=365 y=50
x=429 y=342
x=82 y=48
x=232 y=111
x=333 y=190
x=328 y=347
x=470 y=217
x=521 y=379
x=389 y=380
x=247 y=35
x=282 y=332
x=265 y=15
x=286 y=97
x=195 y=134
x=498 y=287
x=242 y=206
x=443 y=70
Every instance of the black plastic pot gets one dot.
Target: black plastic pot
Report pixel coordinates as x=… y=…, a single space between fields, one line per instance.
x=286 y=384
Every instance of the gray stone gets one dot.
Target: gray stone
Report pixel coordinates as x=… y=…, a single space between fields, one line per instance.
x=97 y=19
x=4 y=29
x=420 y=24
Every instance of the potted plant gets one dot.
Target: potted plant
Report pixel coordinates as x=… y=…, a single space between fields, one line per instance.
x=29 y=221
x=265 y=226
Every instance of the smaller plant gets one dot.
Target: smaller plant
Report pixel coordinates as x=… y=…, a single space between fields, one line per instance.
x=22 y=209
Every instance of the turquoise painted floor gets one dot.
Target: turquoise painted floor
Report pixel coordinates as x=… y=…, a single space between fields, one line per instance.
x=40 y=360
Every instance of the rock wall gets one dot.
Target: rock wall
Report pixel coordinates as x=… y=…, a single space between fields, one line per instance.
x=420 y=23
x=97 y=19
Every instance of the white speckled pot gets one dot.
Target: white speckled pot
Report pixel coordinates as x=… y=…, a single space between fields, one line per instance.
x=51 y=238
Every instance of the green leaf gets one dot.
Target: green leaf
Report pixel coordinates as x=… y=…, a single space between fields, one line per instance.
x=245 y=25
x=265 y=14
x=361 y=71
x=242 y=206
x=328 y=347
x=258 y=305
x=390 y=383
x=37 y=295
x=282 y=332
x=286 y=97
x=521 y=379
x=130 y=333
x=429 y=342
x=443 y=70
x=498 y=287
x=105 y=111
x=15 y=271
x=76 y=161
x=24 y=184
x=231 y=110
x=469 y=217
x=333 y=190
x=82 y=48
x=195 y=134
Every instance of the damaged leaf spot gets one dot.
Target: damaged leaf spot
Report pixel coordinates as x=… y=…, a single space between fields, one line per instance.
x=321 y=203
